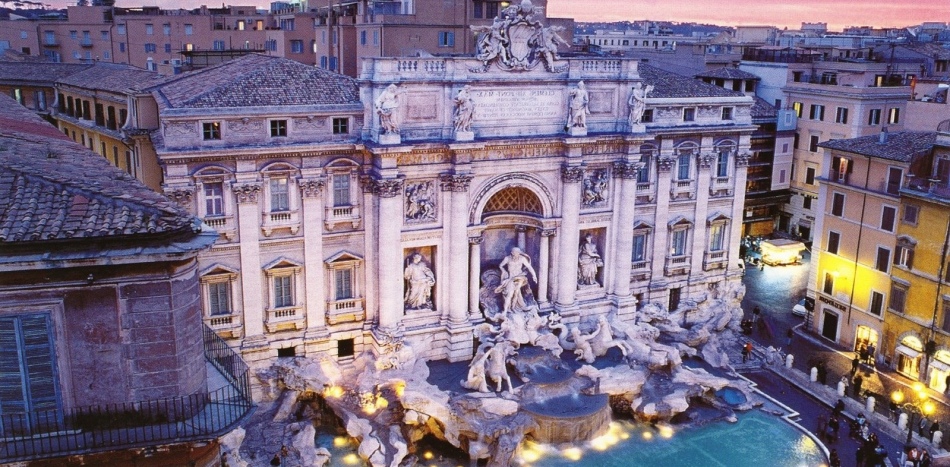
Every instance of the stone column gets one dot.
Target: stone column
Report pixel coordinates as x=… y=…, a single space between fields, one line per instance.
x=738 y=200
x=544 y=266
x=570 y=236
x=474 y=273
x=626 y=172
x=700 y=232
x=522 y=240
x=252 y=286
x=389 y=251
x=311 y=191
x=455 y=281
x=661 y=231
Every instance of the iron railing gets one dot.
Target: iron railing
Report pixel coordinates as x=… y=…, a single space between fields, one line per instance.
x=201 y=416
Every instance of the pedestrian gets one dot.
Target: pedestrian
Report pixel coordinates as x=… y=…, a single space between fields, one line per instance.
x=822 y=425
x=925 y=459
x=789 y=334
x=858 y=381
x=855 y=362
x=934 y=427
x=894 y=410
x=755 y=314
x=871 y=350
x=864 y=353
x=833 y=426
x=822 y=373
x=833 y=459
x=839 y=408
x=745 y=352
x=922 y=426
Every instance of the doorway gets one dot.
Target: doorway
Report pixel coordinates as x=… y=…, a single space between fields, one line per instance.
x=829 y=326
x=864 y=338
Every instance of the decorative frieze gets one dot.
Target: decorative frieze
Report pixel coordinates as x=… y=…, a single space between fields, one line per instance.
x=455 y=183
x=572 y=174
x=246 y=126
x=181 y=129
x=310 y=123
x=246 y=193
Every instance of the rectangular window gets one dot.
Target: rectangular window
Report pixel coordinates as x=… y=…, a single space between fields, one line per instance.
x=809 y=175
x=895 y=177
x=168 y=48
x=214 y=199
x=643 y=176
x=296 y=46
x=211 y=130
x=945 y=325
x=910 y=214
x=219 y=298
x=122 y=47
x=689 y=114
x=446 y=39
x=167 y=29
x=479 y=11
x=639 y=247
x=189 y=30
x=904 y=256
x=817 y=112
x=722 y=164
x=682 y=170
x=149 y=29
x=218 y=45
x=241 y=25
x=829 y=285
x=813 y=143
x=841 y=115
x=716 y=236
x=279 y=195
x=837 y=204
x=798 y=107
x=362 y=37
x=678 y=248
x=283 y=291
x=278 y=128
x=150 y=48
x=727 y=113
x=343 y=283
x=806 y=202
x=834 y=238
x=874 y=117
x=647 y=116
x=27 y=367
x=898 y=298
x=883 y=259
x=120 y=29
x=877 y=303
x=341 y=190
x=341 y=126
x=888 y=216
x=894 y=116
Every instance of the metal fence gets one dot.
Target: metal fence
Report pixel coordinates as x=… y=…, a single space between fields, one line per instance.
x=201 y=416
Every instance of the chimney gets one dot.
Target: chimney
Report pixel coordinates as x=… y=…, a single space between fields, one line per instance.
x=882 y=138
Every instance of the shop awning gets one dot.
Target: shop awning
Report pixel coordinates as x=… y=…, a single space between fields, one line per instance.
x=908 y=351
x=940 y=365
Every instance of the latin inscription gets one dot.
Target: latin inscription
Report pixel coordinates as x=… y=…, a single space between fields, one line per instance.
x=518 y=104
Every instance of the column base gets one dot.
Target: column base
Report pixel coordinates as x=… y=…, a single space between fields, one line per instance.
x=464 y=136
x=319 y=334
x=625 y=306
x=389 y=138
x=255 y=348
x=569 y=313
x=461 y=345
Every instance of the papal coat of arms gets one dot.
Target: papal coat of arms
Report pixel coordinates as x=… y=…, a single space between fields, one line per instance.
x=517 y=41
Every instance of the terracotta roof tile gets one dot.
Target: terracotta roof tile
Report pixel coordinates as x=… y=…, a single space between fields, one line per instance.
x=900 y=146
x=114 y=77
x=53 y=189
x=727 y=73
x=671 y=85
x=38 y=72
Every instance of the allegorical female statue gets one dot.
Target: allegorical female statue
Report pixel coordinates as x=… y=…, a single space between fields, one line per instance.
x=420 y=280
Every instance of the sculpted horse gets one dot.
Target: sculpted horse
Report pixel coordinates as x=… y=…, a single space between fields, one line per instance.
x=603 y=339
x=496 y=364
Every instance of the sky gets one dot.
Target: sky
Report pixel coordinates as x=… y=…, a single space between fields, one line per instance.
x=782 y=13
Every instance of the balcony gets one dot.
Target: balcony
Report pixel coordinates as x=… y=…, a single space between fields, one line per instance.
x=85 y=42
x=721 y=187
x=224 y=225
x=275 y=220
x=640 y=271
x=715 y=260
x=285 y=319
x=51 y=42
x=342 y=214
x=345 y=311
x=227 y=326
x=677 y=265
x=645 y=193
x=682 y=189
x=195 y=418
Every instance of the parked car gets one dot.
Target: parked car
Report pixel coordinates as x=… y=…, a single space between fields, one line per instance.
x=799 y=309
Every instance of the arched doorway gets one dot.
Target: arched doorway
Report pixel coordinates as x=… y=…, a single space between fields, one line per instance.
x=908 y=354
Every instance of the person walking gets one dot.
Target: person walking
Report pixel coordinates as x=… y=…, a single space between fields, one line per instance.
x=858 y=381
x=833 y=459
x=870 y=358
x=855 y=363
x=934 y=427
x=746 y=351
x=822 y=373
x=789 y=334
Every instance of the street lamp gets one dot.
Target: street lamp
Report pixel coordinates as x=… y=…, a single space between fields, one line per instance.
x=920 y=405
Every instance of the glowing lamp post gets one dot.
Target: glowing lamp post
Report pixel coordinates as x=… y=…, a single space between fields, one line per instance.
x=920 y=405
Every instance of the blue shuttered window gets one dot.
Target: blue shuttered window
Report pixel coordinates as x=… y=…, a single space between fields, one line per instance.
x=27 y=373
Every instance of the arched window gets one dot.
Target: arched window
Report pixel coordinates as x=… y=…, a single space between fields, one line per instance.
x=514 y=200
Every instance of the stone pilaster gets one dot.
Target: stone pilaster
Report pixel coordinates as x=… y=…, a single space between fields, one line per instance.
x=544 y=266
x=661 y=232
x=474 y=273
x=389 y=250
x=626 y=172
x=311 y=191
x=700 y=234
x=252 y=286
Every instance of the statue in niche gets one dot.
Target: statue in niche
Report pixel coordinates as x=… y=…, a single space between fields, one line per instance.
x=420 y=281
x=386 y=105
x=638 y=102
x=420 y=202
x=513 y=279
x=595 y=188
x=578 y=111
x=464 y=110
x=589 y=262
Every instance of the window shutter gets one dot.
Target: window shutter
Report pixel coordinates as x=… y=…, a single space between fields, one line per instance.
x=11 y=379
x=38 y=353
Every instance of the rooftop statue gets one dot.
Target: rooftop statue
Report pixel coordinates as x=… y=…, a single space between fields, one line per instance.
x=517 y=41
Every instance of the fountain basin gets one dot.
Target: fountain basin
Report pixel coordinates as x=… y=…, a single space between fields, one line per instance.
x=567 y=419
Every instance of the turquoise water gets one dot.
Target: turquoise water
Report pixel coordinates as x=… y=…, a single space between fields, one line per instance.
x=756 y=440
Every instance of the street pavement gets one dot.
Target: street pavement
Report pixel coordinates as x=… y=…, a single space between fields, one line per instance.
x=775 y=290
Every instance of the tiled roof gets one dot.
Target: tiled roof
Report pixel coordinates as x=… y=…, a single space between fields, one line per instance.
x=762 y=109
x=671 y=85
x=256 y=80
x=38 y=72
x=929 y=49
x=113 y=77
x=899 y=146
x=52 y=188
x=727 y=73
